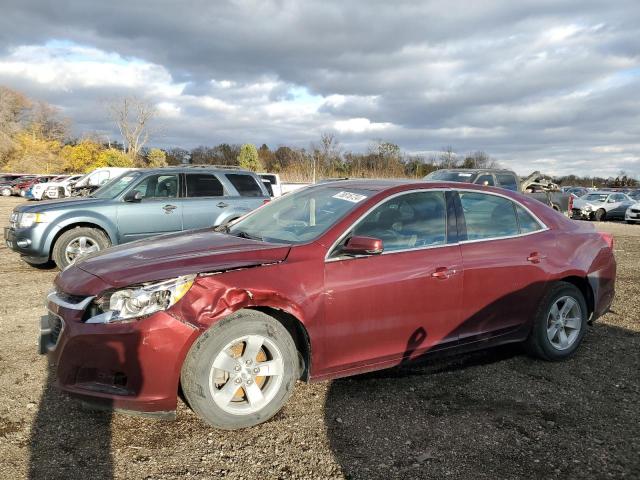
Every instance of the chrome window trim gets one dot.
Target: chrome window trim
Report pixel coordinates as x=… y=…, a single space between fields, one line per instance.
x=54 y=298
x=364 y=215
x=544 y=226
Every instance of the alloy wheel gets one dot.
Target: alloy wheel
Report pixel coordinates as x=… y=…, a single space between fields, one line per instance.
x=79 y=247
x=564 y=322
x=246 y=374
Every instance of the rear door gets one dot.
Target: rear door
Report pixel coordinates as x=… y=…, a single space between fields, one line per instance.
x=205 y=203
x=617 y=205
x=159 y=211
x=504 y=251
x=248 y=194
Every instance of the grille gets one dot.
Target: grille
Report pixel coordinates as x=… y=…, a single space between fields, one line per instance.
x=635 y=210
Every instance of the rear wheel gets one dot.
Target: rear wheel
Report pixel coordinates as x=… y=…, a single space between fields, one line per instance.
x=241 y=371
x=600 y=215
x=6 y=192
x=560 y=323
x=77 y=243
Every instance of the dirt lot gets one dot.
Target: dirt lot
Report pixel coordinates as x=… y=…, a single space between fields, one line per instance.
x=496 y=414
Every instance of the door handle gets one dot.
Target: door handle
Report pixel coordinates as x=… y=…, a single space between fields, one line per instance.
x=222 y=204
x=169 y=208
x=535 y=257
x=442 y=273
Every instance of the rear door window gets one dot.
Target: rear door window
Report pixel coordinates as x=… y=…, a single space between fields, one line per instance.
x=246 y=185
x=488 y=216
x=507 y=181
x=203 y=185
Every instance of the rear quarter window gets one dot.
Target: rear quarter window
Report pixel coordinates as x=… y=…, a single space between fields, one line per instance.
x=246 y=185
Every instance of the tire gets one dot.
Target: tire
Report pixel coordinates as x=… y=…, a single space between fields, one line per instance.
x=94 y=241
x=543 y=342
x=600 y=215
x=6 y=192
x=231 y=408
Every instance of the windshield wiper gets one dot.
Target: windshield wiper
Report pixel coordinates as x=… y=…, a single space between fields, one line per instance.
x=222 y=228
x=241 y=234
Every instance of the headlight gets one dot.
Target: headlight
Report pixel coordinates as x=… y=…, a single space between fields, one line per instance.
x=29 y=219
x=587 y=208
x=140 y=301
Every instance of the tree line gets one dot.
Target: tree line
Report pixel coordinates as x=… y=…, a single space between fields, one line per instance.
x=35 y=138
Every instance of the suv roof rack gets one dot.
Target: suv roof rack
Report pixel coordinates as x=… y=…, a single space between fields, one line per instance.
x=206 y=165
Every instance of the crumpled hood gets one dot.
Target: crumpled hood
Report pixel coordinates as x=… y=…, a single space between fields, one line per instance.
x=172 y=255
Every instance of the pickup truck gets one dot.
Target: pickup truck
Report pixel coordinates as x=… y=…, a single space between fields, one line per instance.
x=277 y=188
x=135 y=205
x=533 y=186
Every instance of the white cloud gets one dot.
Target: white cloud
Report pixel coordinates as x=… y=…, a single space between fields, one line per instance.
x=359 y=125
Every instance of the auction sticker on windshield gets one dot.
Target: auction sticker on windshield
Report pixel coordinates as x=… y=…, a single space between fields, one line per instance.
x=350 y=197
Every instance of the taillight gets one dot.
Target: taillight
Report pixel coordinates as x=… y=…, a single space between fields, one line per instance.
x=607 y=237
x=570 y=203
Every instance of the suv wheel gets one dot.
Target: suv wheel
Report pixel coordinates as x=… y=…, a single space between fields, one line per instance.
x=241 y=371
x=6 y=192
x=600 y=215
x=76 y=243
x=560 y=323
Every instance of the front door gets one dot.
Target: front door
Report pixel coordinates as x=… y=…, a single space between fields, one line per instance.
x=397 y=305
x=159 y=210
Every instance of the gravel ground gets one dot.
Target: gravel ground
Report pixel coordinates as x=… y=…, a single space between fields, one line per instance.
x=494 y=414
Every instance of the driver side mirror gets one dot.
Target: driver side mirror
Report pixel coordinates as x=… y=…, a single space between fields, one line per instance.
x=133 y=196
x=363 y=246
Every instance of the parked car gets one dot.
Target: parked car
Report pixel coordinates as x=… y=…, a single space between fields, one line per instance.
x=601 y=206
x=632 y=215
x=532 y=186
x=333 y=280
x=634 y=195
x=135 y=205
x=37 y=191
x=62 y=189
x=20 y=188
x=276 y=187
x=9 y=188
x=577 y=191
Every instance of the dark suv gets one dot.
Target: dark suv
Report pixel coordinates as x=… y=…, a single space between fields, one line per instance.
x=135 y=205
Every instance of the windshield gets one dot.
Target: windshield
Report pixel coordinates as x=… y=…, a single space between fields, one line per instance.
x=596 y=197
x=448 y=176
x=116 y=186
x=299 y=217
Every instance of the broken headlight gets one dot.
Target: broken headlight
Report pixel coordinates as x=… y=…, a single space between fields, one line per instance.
x=134 y=302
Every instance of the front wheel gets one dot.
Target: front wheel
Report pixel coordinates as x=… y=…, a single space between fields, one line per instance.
x=560 y=323
x=241 y=371
x=77 y=243
x=600 y=215
x=6 y=192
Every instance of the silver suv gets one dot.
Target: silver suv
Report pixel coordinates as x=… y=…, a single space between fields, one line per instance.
x=135 y=205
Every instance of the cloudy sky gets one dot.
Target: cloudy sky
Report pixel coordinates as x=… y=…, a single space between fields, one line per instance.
x=552 y=85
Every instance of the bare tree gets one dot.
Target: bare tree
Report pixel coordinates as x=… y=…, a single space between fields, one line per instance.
x=132 y=116
x=448 y=158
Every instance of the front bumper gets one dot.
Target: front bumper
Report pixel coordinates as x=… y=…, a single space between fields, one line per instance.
x=132 y=366
x=632 y=215
x=28 y=242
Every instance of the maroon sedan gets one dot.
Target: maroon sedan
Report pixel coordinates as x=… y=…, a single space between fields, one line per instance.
x=333 y=280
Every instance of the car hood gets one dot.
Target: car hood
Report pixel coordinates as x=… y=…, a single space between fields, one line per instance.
x=73 y=202
x=172 y=255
